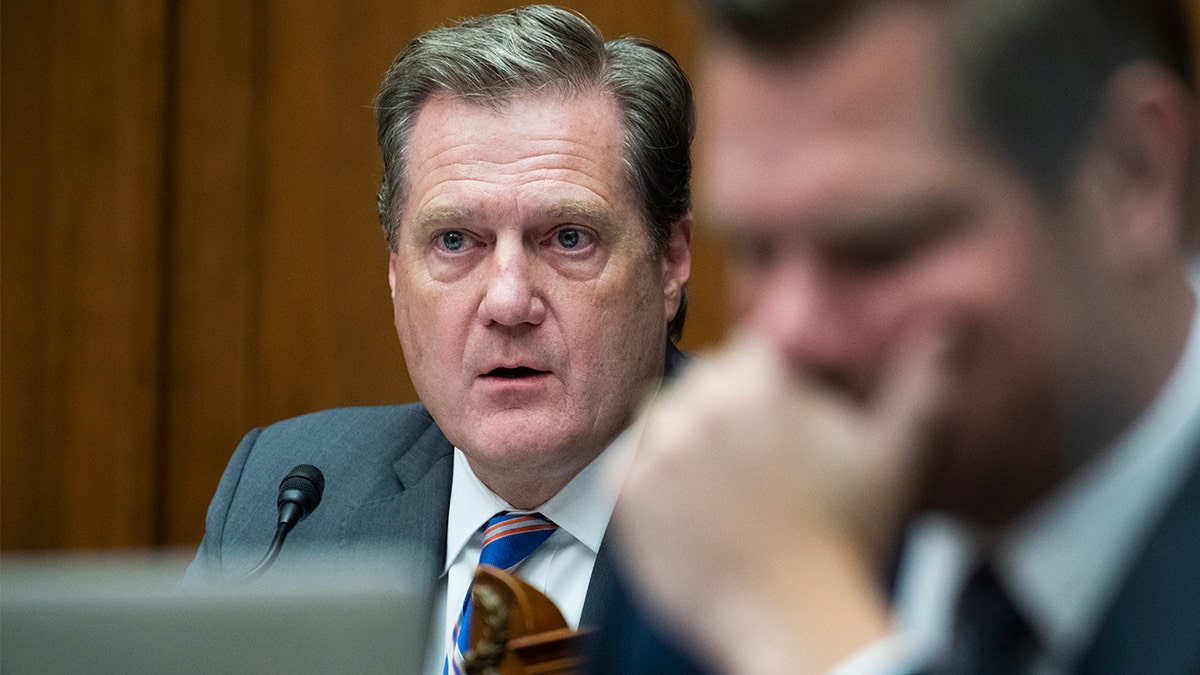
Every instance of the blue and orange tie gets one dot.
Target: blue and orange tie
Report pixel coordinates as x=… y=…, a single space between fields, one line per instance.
x=508 y=539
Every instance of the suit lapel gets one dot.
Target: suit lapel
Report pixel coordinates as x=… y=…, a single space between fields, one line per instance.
x=601 y=586
x=410 y=522
x=1152 y=626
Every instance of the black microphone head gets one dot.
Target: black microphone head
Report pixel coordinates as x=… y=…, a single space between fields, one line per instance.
x=303 y=487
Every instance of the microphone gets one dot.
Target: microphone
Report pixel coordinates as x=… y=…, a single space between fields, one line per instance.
x=299 y=495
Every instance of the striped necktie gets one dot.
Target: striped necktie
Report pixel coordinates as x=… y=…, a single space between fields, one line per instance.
x=508 y=539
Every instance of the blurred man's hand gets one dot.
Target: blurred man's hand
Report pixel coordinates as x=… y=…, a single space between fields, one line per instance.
x=750 y=479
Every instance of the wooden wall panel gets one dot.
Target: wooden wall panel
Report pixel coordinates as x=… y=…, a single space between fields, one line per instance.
x=83 y=91
x=326 y=285
x=212 y=232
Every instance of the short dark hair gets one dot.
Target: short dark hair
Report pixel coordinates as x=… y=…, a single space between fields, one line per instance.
x=490 y=59
x=1032 y=73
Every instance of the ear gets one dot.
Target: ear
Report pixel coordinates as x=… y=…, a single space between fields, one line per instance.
x=1143 y=153
x=677 y=264
x=393 y=264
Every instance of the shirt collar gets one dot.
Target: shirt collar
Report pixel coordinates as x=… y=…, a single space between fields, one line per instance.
x=471 y=505
x=582 y=508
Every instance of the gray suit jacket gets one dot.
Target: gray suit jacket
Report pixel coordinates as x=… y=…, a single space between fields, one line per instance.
x=387 y=472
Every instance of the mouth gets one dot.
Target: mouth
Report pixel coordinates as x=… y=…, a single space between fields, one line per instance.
x=516 y=373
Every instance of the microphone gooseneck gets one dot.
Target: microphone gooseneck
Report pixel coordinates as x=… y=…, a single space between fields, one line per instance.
x=299 y=495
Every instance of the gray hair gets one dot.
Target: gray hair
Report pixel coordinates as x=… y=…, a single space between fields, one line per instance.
x=491 y=59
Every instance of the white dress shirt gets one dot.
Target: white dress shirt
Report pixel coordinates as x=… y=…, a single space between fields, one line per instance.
x=561 y=567
x=1062 y=563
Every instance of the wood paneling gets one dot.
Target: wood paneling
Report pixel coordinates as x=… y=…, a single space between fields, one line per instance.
x=83 y=116
x=190 y=246
x=211 y=255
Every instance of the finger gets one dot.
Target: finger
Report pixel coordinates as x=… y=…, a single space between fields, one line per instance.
x=914 y=393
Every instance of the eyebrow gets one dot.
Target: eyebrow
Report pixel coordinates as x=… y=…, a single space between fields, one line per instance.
x=583 y=211
x=442 y=216
x=921 y=218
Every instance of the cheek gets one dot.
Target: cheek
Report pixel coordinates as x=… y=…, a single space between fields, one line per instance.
x=994 y=276
x=623 y=318
x=1009 y=292
x=999 y=302
x=427 y=318
x=404 y=322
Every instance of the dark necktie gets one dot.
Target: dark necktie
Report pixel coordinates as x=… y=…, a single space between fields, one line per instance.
x=991 y=636
x=508 y=539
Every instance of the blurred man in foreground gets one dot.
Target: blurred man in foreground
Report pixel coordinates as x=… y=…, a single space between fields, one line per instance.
x=536 y=204
x=968 y=322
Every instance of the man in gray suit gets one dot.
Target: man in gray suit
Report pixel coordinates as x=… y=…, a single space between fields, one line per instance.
x=535 y=200
x=969 y=313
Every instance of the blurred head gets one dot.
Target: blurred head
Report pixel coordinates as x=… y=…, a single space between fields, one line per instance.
x=536 y=203
x=1016 y=173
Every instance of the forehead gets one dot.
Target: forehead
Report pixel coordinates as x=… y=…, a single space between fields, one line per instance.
x=861 y=117
x=582 y=128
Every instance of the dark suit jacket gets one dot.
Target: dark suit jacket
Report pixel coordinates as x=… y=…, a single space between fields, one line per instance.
x=387 y=472
x=1151 y=628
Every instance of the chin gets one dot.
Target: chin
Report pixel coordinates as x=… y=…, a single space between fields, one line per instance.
x=530 y=442
x=990 y=486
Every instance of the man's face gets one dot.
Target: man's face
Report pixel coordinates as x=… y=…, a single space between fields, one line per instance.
x=530 y=307
x=856 y=207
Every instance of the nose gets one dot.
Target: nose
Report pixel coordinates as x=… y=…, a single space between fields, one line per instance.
x=511 y=296
x=801 y=313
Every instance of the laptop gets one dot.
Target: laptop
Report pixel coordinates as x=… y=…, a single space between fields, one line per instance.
x=129 y=614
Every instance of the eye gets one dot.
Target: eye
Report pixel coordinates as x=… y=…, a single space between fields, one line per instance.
x=568 y=238
x=453 y=240
x=874 y=255
x=892 y=242
x=572 y=238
